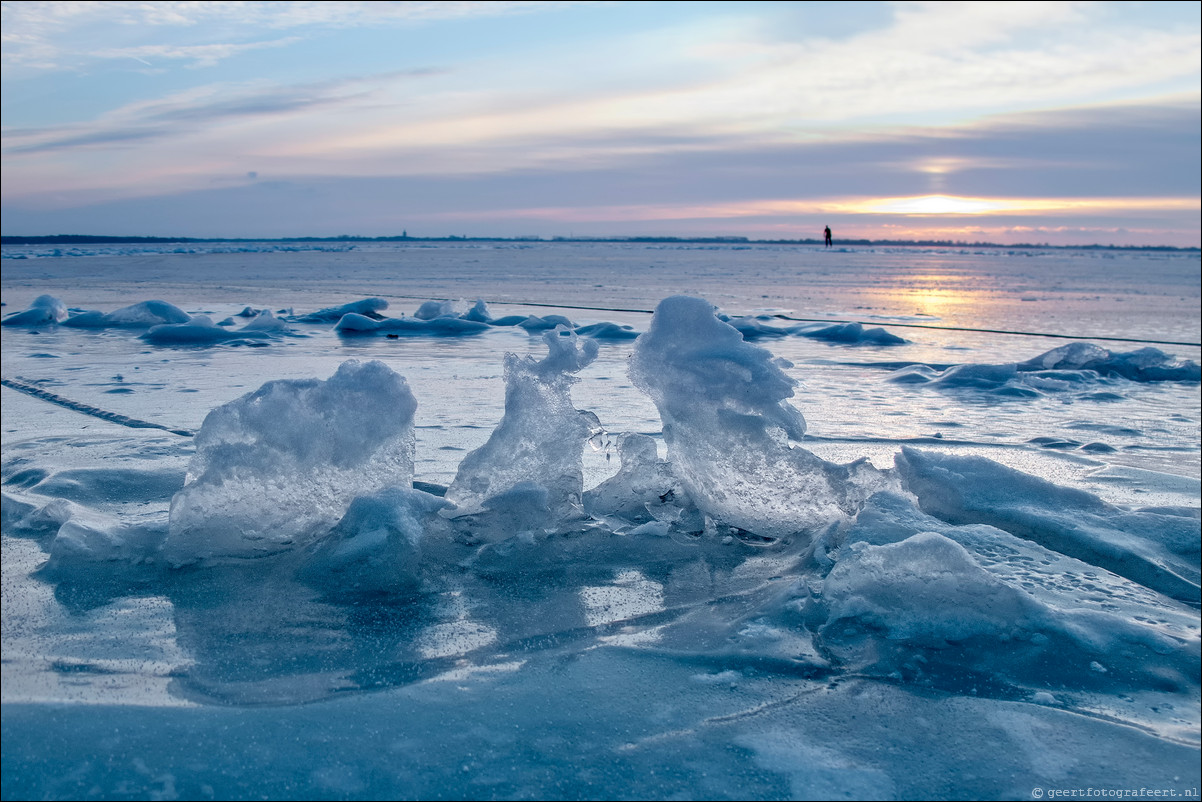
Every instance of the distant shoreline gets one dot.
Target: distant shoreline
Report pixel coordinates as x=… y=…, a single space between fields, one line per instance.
x=90 y=239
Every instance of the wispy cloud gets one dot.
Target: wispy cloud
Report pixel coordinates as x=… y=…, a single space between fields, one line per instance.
x=190 y=113
x=947 y=59
x=793 y=91
x=61 y=35
x=83 y=139
x=1087 y=152
x=196 y=55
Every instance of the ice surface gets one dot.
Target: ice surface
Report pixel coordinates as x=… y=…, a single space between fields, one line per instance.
x=991 y=614
x=278 y=467
x=1157 y=549
x=901 y=606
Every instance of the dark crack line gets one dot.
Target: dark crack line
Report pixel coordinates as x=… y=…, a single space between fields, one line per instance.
x=86 y=409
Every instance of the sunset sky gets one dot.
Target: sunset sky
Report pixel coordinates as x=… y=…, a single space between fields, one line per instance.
x=1066 y=123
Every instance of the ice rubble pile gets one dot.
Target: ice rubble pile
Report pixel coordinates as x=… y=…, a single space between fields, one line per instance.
x=365 y=317
x=757 y=327
x=1144 y=364
x=142 y=315
x=982 y=608
x=277 y=468
x=529 y=473
x=727 y=423
x=376 y=547
x=163 y=323
x=201 y=330
x=1068 y=367
x=942 y=564
x=352 y=323
x=439 y=319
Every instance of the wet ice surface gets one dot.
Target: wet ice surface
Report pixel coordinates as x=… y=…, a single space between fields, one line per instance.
x=599 y=606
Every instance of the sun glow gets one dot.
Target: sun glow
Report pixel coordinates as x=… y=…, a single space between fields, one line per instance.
x=955 y=205
x=936 y=204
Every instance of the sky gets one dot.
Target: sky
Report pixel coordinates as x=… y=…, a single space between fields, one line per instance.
x=1064 y=123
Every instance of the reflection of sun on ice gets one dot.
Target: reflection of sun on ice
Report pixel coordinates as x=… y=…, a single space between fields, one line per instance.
x=942 y=295
x=934 y=303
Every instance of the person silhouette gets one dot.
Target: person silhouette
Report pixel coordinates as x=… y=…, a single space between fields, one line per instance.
x=827 y=234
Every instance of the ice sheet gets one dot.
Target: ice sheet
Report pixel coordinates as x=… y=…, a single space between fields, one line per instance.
x=986 y=620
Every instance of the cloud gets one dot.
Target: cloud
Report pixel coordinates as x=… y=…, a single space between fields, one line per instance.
x=110 y=136
x=718 y=114
x=189 y=113
x=1137 y=150
x=199 y=55
x=429 y=207
x=781 y=92
x=47 y=36
x=950 y=60
x=676 y=185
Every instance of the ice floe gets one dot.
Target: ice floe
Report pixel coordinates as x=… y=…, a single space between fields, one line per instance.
x=45 y=309
x=368 y=307
x=353 y=323
x=140 y=315
x=765 y=326
x=1078 y=367
x=201 y=330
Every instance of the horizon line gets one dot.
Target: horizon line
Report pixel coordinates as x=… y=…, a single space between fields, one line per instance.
x=114 y=239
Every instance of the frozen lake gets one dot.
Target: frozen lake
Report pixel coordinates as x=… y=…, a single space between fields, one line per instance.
x=970 y=572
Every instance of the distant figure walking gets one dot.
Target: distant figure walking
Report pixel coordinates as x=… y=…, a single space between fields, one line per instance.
x=827 y=234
